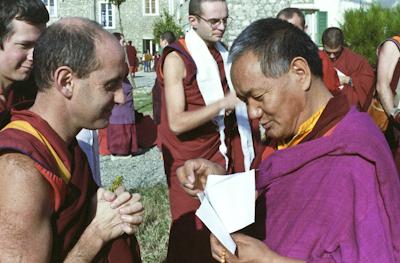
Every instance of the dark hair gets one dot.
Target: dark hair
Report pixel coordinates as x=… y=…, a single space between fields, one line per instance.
x=69 y=42
x=118 y=35
x=333 y=37
x=289 y=12
x=31 y=11
x=276 y=43
x=168 y=36
x=195 y=6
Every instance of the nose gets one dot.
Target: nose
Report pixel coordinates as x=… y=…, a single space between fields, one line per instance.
x=30 y=55
x=221 y=26
x=119 y=97
x=254 y=110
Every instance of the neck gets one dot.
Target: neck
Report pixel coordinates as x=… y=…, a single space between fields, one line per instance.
x=50 y=109
x=5 y=85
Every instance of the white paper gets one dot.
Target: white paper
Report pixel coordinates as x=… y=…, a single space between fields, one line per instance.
x=208 y=216
x=228 y=205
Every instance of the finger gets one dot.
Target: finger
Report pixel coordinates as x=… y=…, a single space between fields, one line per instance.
x=103 y=194
x=120 y=189
x=132 y=208
x=121 y=199
x=183 y=177
x=129 y=229
x=132 y=219
x=216 y=248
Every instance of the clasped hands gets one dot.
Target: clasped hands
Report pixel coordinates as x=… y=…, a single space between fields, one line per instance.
x=117 y=213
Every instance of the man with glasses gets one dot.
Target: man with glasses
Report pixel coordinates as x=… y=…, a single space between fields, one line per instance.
x=199 y=119
x=355 y=74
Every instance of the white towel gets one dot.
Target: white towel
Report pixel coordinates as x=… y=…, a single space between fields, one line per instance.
x=210 y=86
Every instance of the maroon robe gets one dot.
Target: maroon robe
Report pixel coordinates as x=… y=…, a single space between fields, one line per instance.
x=329 y=75
x=189 y=239
x=71 y=201
x=362 y=75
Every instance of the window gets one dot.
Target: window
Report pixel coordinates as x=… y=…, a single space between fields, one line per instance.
x=150 y=7
x=51 y=6
x=107 y=15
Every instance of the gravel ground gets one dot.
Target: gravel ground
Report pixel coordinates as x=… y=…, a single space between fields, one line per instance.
x=138 y=171
x=141 y=170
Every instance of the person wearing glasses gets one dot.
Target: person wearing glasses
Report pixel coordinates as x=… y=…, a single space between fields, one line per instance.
x=199 y=119
x=356 y=76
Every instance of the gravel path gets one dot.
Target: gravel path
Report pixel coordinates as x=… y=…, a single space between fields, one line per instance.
x=138 y=171
x=141 y=170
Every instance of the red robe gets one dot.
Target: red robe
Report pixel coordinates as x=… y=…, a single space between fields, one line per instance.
x=71 y=201
x=329 y=75
x=132 y=59
x=189 y=240
x=362 y=75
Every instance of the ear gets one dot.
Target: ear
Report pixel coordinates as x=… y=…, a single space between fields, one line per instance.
x=193 y=21
x=301 y=71
x=64 y=80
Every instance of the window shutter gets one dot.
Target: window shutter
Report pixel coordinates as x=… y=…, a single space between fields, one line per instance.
x=322 y=23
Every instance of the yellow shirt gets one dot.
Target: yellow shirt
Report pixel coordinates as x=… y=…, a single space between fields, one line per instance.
x=304 y=129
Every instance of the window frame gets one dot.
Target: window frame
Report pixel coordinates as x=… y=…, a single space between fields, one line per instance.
x=114 y=18
x=157 y=7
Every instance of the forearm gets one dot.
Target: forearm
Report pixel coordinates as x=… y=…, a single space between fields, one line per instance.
x=188 y=120
x=386 y=97
x=87 y=246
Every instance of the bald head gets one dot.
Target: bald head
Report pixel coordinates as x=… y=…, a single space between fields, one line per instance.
x=294 y=16
x=69 y=42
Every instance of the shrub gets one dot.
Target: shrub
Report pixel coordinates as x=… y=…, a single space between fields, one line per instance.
x=364 y=29
x=166 y=22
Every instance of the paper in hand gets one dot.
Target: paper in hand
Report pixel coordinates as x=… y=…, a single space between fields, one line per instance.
x=228 y=205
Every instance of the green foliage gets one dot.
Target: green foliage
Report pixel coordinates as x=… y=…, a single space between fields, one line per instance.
x=117 y=182
x=153 y=233
x=364 y=29
x=166 y=22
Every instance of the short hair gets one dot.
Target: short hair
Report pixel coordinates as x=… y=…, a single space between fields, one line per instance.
x=168 y=36
x=333 y=37
x=276 y=43
x=118 y=35
x=69 y=42
x=31 y=11
x=289 y=12
x=195 y=6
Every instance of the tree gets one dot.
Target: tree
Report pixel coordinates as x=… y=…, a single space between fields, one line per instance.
x=118 y=3
x=166 y=22
x=364 y=29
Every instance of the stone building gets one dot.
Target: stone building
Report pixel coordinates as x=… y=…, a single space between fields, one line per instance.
x=137 y=16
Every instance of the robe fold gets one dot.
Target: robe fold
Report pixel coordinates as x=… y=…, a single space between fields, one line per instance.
x=70 y=198
x=360 y=92
x=335 y=197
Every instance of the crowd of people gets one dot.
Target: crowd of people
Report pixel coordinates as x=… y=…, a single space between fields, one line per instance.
x=327 y=178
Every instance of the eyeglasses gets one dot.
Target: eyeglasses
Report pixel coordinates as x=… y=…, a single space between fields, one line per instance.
x=215 y=22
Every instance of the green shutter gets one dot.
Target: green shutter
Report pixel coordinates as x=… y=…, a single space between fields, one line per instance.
x=322 y=23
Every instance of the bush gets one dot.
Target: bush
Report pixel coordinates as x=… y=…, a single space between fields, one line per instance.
x=365 y=29
x=165 y=23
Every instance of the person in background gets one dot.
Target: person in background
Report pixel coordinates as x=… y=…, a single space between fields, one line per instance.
x=388 y=88
x=356 y=76
x=296 y=17
x=200 y=117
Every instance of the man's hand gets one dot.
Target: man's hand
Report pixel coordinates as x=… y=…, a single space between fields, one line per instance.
x=229 y=102
x=193 y=174
x=116 y=213
x=248 y=250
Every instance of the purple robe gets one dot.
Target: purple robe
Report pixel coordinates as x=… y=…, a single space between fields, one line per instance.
x=335 y=198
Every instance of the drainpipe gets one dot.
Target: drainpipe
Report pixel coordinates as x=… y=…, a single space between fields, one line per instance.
x=94 y=9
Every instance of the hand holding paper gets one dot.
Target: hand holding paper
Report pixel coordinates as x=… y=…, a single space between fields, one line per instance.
x=228 y=205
